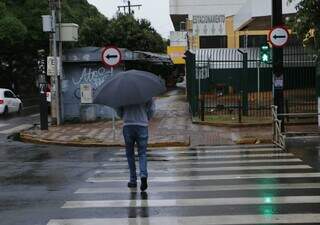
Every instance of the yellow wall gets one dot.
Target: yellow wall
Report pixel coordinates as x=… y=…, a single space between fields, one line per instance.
x=176 y=54
x=234 y=36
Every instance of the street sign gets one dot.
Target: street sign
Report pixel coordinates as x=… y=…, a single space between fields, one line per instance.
x=51 y=66
x=111 y=56
x=278 y=36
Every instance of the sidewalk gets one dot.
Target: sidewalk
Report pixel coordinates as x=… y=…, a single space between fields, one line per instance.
x=171 y=126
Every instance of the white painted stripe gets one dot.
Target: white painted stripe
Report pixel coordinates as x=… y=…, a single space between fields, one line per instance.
x=208 y=169
x=169 y=163
x=208 y=177
x=208 y=220
x=16 y=129
x=175 y=158
x=35 y=115
x=192 y=202
x=236 y=146
x=164 y=152
x=4 y=124
x=157 y=189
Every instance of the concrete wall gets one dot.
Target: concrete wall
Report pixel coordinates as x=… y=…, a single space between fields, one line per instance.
x=84 y=66
x=205 y=7
x=254 y=8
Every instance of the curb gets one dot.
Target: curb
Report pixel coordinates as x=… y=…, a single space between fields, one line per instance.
x=253 y=141
x=235 y=125
x=31 y=139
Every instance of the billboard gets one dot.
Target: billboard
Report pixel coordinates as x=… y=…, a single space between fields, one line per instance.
x=176 y=54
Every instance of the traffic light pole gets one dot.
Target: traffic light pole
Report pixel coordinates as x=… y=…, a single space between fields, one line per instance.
x=277 y=63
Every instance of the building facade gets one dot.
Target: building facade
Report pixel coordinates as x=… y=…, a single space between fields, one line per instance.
x=225 y=23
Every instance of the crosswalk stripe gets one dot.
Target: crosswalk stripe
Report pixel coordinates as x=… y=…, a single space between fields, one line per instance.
x=173 y=163
x=204 y=169
x=177 y=158
x=208 y=220
x=164 y=152
x=236 y=146
x=192 y=202
x=16 y=129
x=3 y=124
x=157 y=189
x=208 y=177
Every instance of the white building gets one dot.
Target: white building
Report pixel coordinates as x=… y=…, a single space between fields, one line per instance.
x=246 y=23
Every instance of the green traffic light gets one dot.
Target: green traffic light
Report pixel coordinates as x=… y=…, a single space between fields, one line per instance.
x=265 y=54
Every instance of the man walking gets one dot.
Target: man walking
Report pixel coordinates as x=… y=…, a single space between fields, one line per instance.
x=135 y=130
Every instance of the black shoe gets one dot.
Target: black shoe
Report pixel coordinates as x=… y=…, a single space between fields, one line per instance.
x=144 y=184
x=132 y=185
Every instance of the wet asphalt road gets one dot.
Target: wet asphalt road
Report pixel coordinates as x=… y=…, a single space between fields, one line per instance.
x=46 y=184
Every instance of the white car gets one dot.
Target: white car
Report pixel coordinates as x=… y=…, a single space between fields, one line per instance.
x=9 y=102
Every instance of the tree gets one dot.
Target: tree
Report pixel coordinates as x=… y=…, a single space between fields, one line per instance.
x=307 y=22
x=21 y=36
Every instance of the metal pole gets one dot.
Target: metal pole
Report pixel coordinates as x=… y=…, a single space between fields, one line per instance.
x=113 y=116
x=277 y=62
x=42 y=89
x=259 y=83
x=59 y=109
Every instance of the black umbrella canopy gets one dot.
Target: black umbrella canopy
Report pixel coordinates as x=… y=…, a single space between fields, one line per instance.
x=129 y=88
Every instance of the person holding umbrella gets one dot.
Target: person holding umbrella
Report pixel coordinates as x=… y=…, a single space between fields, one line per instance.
x=135 y=130
x=131 y=94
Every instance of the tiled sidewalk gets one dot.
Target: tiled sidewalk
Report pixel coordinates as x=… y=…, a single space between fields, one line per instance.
x=171 y=126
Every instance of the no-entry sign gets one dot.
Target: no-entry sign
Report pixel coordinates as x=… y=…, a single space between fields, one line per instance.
x=278 y=36
x=111 y=56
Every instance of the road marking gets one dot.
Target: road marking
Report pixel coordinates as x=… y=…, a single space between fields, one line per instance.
x=157 y=189
x=268 y=200
x=208 y=220
x=177 y=158
x=17 y=129
x=205 y=169
x=208 y=177
x=4 y=124
x=164 y=152
x=173 y=163
x=35 y=115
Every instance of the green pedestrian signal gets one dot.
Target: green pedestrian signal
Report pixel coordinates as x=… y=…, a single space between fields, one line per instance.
x=265 y=55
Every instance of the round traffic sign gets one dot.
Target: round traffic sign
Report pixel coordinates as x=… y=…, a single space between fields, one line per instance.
x=111 y=56
x=278 y=36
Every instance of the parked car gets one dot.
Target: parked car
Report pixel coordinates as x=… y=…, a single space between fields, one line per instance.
x=9 y=102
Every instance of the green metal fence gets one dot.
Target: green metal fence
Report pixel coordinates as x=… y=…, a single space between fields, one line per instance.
x=234 y=84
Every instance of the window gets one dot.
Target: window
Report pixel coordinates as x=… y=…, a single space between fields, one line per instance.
x=248 y=41
x=213 y=42
x=8 y=94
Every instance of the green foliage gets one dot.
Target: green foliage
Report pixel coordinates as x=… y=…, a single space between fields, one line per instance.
x=12 y=31
x=21 y=36
x=307 y=22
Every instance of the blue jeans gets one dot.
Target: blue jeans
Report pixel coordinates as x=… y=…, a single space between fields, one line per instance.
x=136 y=134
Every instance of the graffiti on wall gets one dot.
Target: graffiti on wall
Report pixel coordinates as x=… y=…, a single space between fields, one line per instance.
x=93 y=76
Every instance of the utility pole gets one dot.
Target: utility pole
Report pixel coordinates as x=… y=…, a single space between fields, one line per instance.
x=55 y=81
x=277 y=63
x=129 y=6
x=42 y=90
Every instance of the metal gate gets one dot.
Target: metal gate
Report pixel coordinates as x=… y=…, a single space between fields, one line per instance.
x=232 y=84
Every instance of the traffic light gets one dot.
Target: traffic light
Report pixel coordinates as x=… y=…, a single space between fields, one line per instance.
x=265 y=55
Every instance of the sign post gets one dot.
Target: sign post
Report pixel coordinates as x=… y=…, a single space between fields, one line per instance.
x=278 y=37
x=111 y=57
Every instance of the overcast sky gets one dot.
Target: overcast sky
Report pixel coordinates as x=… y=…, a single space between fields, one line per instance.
x=157 y=12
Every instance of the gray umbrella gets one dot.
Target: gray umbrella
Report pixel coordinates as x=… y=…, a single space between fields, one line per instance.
x=129 y=88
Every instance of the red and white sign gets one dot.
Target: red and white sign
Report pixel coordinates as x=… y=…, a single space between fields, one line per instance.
x=111 y=56
x=278 y=36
